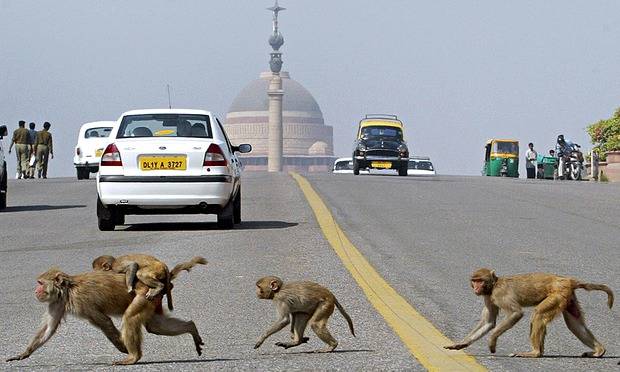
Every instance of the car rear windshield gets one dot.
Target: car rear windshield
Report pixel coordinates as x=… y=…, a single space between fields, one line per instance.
x=165 y=125
x=379 y=131
x=98 y=132
x=344 y=165
x=422 y=165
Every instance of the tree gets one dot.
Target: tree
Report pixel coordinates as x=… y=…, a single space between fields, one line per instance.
x=605 y=135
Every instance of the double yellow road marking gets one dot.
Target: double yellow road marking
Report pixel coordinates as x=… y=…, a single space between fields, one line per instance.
x=422 y=339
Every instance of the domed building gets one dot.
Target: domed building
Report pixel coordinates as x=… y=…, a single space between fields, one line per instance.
x=307 y=141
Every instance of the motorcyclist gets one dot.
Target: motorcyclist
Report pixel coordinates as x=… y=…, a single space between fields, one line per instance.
x=563 y=151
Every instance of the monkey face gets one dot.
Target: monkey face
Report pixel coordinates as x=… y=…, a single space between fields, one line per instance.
x=50 y=285
x=482 y=281
x=267 y=287
x=103 y=263
x=479 y=286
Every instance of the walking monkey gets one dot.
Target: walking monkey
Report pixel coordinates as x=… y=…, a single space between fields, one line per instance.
x=550 y=294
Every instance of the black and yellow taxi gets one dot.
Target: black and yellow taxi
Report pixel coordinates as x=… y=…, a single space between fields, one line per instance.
x=380 y=144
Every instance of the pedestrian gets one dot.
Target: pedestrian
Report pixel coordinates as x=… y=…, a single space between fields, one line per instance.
x=530 y=160
x=32 y=157
x=23 y=147
x=43 y=147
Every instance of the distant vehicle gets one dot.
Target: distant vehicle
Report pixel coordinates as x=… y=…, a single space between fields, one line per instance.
x=380 y=144
x=420 y=166
x=345 y=166
x=3 y=173
x=501 y=158
x=169 y=162
x=92 y=140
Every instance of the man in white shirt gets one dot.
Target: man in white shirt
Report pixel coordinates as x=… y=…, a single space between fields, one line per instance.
x=530 y=161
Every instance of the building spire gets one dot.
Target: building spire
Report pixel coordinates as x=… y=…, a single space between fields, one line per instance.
x=276 y=40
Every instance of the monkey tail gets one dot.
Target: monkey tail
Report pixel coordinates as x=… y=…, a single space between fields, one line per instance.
x=169 y=291
x=187 y=266
x=599 y=287
x=346 y=316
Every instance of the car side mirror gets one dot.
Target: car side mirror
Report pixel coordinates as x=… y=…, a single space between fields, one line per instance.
x=243 y=148
x=3 y=131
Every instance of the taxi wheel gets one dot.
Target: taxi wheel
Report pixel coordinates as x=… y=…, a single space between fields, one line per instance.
x=226 y=218
x=402 y=171
x=3 y=190
x=79 y=173
x=356 y=168
x=86 y=174
x=237 y=207
x=105 y=224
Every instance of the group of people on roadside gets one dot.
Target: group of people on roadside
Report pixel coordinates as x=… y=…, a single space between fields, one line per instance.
x=33 y=149
x=531 y=156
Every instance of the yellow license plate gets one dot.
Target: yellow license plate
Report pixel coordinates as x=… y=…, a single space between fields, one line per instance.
x=149 y=163
x=98 y=153
x=381 y=164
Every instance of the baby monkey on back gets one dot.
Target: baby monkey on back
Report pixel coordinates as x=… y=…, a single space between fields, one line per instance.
x=300 y=303
x=147 y=269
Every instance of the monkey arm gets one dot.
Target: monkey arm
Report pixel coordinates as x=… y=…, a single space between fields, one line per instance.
x=511 y=319
x=131 y=268
x=486 y=323
x=52 y=318
x=282 y=322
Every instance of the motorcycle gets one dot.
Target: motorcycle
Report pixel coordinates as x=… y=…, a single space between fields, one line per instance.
x=571 y=164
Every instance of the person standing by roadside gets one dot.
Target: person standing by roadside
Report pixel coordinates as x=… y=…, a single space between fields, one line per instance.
x=530 y=160
x=22 y=149
x=43 y=148
x=31 y=163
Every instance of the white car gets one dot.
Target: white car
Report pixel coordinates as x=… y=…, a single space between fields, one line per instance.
x=169 y=161
x=92 y=140
x=3 y=175
x=420 y=166
x=345 y=166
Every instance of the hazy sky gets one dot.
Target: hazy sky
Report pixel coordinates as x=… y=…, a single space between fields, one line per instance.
x=457 y=72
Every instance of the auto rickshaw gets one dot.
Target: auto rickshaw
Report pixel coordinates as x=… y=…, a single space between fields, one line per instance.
x=501 y=158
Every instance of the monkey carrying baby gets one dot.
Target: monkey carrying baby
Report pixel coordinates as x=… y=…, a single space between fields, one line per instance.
x=300 y=303
x=550 y=294
x=147 y=269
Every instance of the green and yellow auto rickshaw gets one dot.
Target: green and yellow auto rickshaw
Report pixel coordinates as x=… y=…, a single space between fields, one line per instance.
x=501 y=158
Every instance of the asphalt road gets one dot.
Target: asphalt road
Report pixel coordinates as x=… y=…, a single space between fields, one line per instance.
x=424 y=235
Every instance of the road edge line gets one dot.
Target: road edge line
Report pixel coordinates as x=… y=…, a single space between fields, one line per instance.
x=419 y=335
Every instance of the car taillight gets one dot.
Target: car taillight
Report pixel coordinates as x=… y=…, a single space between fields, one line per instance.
x=77 y=151
x=214 y=157
x=111 y=156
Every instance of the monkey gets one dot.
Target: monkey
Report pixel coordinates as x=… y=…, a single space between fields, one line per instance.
x=300 y=303
x=95 y=296
x=550 y=294
x=148 y=269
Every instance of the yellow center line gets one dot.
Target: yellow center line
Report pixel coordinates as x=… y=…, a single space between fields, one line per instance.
x=418 y=334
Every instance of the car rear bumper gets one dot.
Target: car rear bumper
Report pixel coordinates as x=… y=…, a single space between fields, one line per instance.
x=165 y=191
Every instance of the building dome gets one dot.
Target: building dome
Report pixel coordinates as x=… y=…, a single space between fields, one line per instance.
x=303 y=125
x=318 y=148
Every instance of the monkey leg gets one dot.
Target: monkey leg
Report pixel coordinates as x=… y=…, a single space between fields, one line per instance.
x=573 y=316
x=299 y=322
x=318 y=323
x=166 y=326
x=138 y=312
x=545 y=312
x=154 y=284
x=105 y=324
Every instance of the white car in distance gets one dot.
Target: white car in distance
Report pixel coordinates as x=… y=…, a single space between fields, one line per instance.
x=92 y=140
x=420 y=166
x=345 y=166
x=169 y=161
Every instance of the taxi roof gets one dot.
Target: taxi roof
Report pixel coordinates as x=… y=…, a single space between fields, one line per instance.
x=383 y=122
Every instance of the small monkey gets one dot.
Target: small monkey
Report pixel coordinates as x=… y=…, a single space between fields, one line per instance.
x=300 y=303
x=550 y=294
x=148 y=269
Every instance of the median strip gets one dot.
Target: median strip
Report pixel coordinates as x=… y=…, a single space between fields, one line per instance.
x=422 y=339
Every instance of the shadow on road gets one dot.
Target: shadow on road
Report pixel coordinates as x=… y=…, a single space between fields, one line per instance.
x=29 y=208
x=312 y=352
x=605 y=357
x=189 y=361
x=194 y=226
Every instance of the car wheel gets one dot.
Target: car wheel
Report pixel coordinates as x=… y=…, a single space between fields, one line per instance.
x=106 y=217
x=86 y=174
x=402 y=171
x=226 y=218
x=237 y=207
x=79 y=173
x=356 y=168
x=3 y=189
